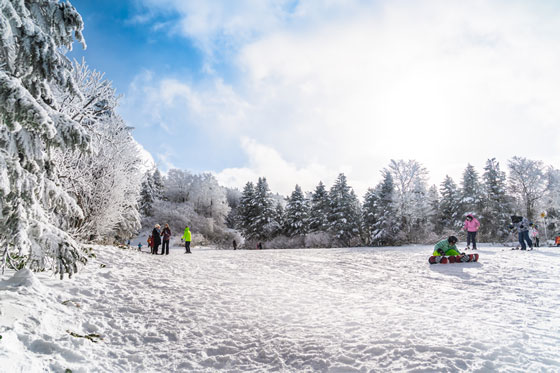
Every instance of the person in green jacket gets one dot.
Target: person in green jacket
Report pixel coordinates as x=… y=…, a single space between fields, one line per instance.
x=446 y=247
x=187 y=238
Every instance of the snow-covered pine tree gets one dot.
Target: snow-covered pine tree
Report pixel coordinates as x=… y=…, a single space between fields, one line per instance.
x=248 y=211
x=450 y=216
x=386 y=225
x=496 y=203
x=265 y=225
x=279 y=217
x=159 y=185
x=369 y=213
x=296 y=214
x=147 y=194
x=319 y=210
x=344 y=213
x=527 y=183
x=33 y=33
x=435 y=224
x=471 y=193
x=551 y=207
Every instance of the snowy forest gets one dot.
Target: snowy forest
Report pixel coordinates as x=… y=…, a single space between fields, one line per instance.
x=71 y=173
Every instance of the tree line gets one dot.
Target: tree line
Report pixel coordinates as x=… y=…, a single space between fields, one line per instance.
x=401 y=208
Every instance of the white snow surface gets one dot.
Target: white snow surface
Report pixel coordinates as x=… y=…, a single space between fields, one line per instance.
x=322 y=310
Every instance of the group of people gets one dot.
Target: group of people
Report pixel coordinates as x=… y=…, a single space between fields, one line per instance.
x=525 y=230
x=162 y=236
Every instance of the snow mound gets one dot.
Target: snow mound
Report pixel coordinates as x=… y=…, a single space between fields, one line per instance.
x=22 y=278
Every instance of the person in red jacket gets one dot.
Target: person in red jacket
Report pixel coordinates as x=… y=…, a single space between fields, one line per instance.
x=471 y=226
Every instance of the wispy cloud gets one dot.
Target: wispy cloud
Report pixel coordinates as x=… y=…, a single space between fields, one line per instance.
x=342 y=86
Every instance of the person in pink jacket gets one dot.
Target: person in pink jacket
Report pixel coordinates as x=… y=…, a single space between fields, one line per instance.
x=471 y=226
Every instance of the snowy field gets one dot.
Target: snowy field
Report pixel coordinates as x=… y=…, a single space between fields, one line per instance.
x=336 y=310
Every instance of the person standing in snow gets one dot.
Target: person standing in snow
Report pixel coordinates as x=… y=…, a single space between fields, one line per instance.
x=156 y=238
x=446 y=247
x=534 y=234
x=471 y=226
x=166 y=235
x=522 y=224
x=187 y=238
x=234 y=245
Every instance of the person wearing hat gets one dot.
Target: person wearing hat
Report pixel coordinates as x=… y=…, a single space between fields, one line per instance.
x=156 y=238
x=446 y=247
x=471 y=226
x=522 y=225
x=187 y=238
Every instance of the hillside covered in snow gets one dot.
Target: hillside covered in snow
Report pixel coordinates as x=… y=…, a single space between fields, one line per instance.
x=323 y=310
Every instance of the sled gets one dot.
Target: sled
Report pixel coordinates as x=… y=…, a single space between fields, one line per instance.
x=453 y=259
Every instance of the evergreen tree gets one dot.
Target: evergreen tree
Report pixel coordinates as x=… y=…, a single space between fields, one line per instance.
x=344 y=214
x=296 y=214
x=369 y=213
x=147 y=195
x=319 y=211
x=449 y=205
x=279 y=218
x=435 y=224
x=33 y=33
x=248 y=210
x=420 y=212
x=265 y=224
x=158 y=185
x=471 y=193
x=386 y=224
x=496 y=204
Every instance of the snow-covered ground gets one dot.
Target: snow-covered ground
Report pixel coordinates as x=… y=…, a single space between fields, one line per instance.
x=335 y=310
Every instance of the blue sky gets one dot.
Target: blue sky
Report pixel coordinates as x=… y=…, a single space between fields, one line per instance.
x=299 y=91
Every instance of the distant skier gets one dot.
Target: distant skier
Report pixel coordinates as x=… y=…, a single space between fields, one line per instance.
x=471 y=226
x=534 y=234
x=521 y=224
x=187 y=238
x=446 y=247
x=234 y=245
x=156 y=238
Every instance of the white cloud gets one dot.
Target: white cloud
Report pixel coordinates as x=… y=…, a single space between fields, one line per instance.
x=334 y=88
x=282 y=176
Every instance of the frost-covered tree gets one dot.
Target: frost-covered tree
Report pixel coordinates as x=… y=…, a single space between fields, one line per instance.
x=408 y=177
x=420 y=212
x=265 y=225
x=551 y=206
x=248 y=210
x=106 y=180
x=435 y=224
x=495 y=201
x=369 y=213
x=344 y=213
x=296 y=214
x=177 y=186
x=386 y=226
x=470 y=193
x=233 y=197
x=33 y=33
x=209 y=198
x=319 y=210
x=450 y=215
x=527 y=183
